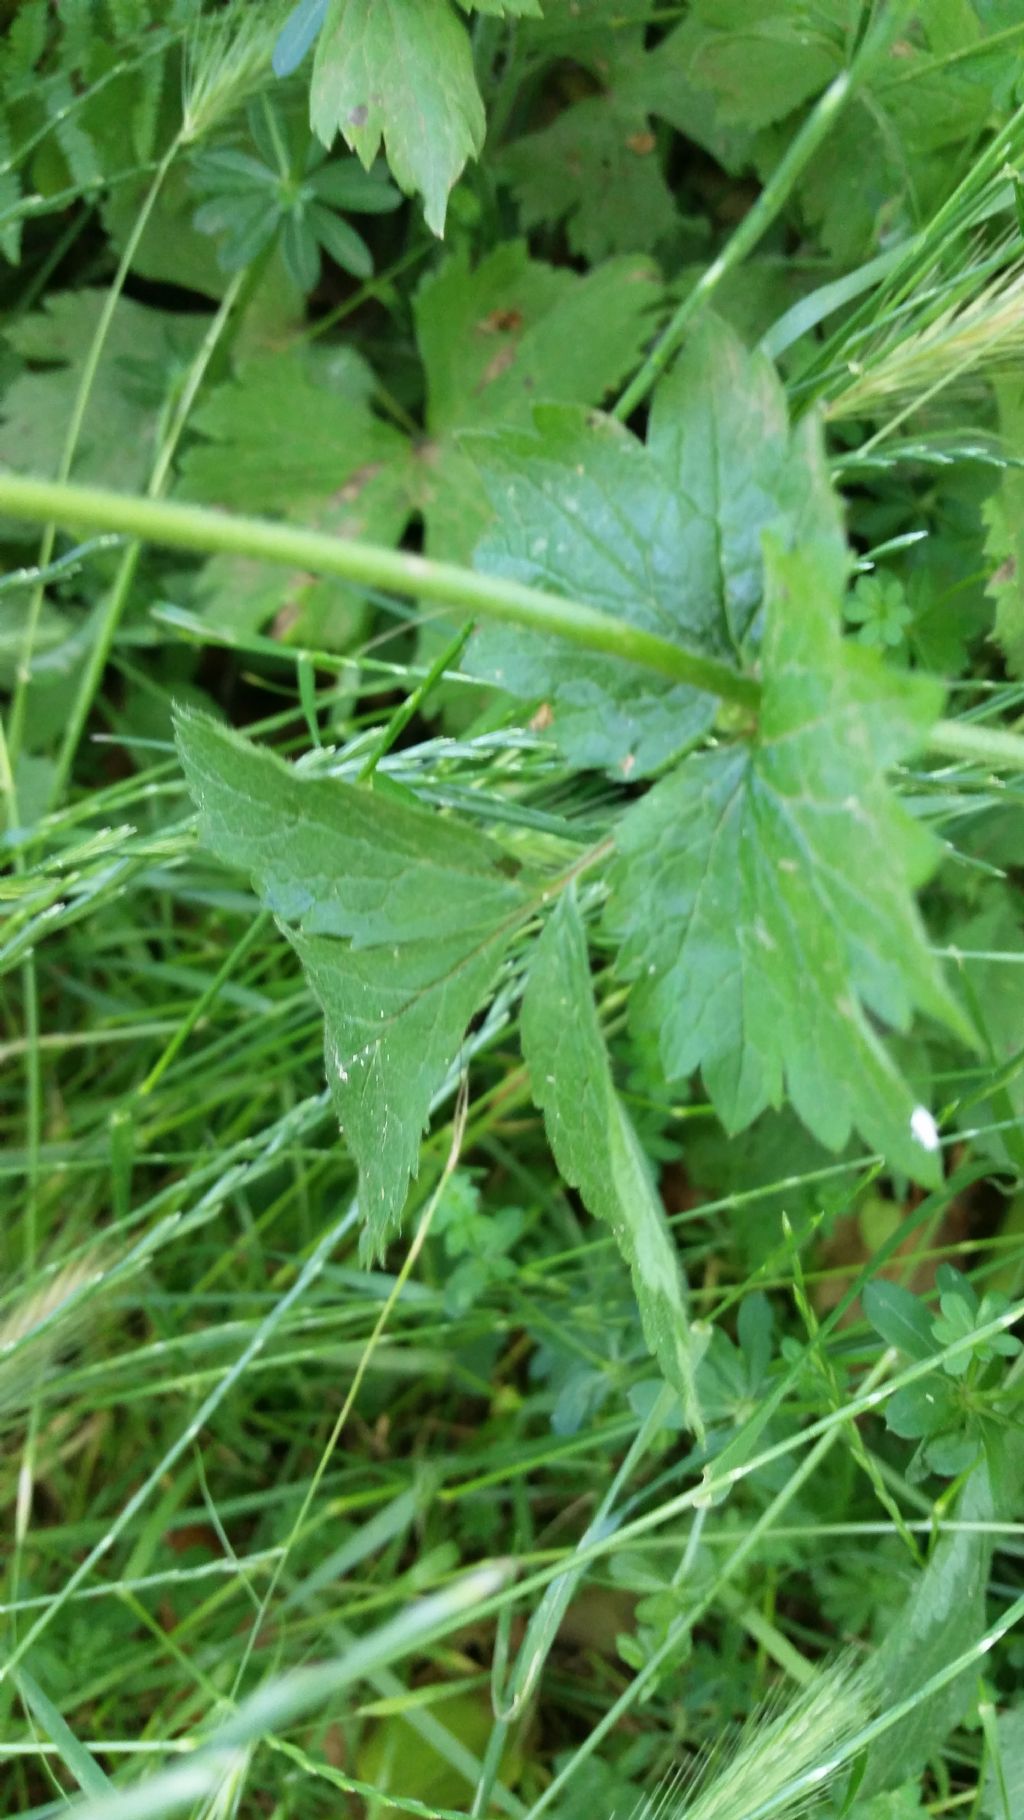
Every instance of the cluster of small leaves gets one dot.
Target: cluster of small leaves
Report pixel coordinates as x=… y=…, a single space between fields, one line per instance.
x=250 y=200
x=477 y=1240
x=950 y=1411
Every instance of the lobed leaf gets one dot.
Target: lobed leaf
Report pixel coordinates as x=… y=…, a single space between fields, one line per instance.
x=763 y=892
x=400 y=72
x=288 y=431
x=665 y=534
x=400 y=918
x=142 y=356
x=499 y=337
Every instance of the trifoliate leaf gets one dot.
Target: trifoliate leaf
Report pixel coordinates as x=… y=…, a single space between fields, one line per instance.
x=594 y=1143
x=764 y=891
x=667 y=536
x=400 y=71
x=400 y=918
x=144 y=353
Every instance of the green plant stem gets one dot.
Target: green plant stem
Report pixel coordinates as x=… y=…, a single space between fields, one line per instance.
x=186 y=1436
x=752 y=228
x=445 y=660
x=120 y=590
x=458 y=1132
x=187 y=527
x=991 y=746
x=770 y=203
x=200 y=1006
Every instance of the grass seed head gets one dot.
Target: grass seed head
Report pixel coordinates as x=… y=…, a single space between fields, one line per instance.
x=227 y=60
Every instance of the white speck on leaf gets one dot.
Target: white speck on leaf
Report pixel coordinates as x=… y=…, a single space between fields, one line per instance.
x=924 y=1128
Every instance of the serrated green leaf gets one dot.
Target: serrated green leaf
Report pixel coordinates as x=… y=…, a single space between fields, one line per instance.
x=578 y=510
x=764 y=891
x=666 y=535
x=336 y=859
x=594 y=1143
x=394 y=1022
x=498 y=337
x=597 y=168
x=401 y=72
x=425 y=915
x=293 y=433
x=761 y=59
x=896 y=150
x=901 y=1318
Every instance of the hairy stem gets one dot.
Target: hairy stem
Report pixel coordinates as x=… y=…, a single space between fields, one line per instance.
x=187 y=527
x=460 y=590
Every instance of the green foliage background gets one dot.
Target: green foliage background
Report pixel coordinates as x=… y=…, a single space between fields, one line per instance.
x=511 y=632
